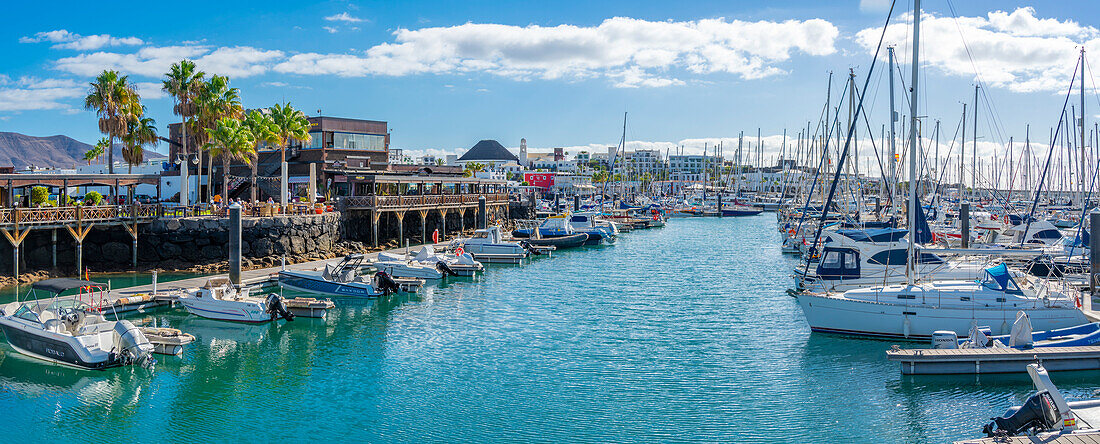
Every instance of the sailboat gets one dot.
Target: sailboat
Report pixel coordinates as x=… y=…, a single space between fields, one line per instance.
x=915 y=310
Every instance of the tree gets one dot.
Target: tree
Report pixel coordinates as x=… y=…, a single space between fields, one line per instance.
x=93 y=198
x=141 y=132
x=110 y=95
x=471 y=168
x=39 y=196
x=184 y=83
x=230 y=140
x=215 y=101
x=599 y=176
x=263 y=130
x=97 y=150
x=291 y=125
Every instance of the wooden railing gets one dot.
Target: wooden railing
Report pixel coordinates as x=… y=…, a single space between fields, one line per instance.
x=62 y=215
x=419 y=202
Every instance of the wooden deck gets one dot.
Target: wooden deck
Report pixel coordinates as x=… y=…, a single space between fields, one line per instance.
x=421 y=202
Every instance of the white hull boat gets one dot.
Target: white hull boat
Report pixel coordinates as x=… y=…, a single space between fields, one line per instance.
x=218 y=299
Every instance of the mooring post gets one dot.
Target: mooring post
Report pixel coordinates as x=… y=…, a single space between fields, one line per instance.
x=1094 y=256
x=154 y=282
x=482 y=217
x=964 y=220
x=53 y=248
x=235 y=244
x=576 y=202
x=719 y=204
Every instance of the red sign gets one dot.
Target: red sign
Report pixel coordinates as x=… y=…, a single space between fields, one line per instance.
x=544 y=180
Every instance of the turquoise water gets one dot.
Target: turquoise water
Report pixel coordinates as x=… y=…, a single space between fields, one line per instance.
x=675 y=334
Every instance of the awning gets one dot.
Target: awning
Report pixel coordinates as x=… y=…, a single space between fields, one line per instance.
x=60 y=285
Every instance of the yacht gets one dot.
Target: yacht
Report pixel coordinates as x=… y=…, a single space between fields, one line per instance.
x=70 y=330
x=917 y=310
x=220 y=299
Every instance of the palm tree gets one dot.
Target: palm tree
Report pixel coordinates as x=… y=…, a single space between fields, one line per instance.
x=263 y=130
x=215 y=101
x=97 y=150
x=183 y=82
x=142 y=133
x=230 y=140
x=292 y=125
x=110 y=95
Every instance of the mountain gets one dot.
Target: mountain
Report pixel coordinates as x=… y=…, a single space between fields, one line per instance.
x=22 y=150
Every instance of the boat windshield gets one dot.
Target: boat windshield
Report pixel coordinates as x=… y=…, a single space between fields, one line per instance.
x=998 y=279
x=481 y=235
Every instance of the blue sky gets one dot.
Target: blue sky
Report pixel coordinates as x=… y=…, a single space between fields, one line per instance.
x=556 y=73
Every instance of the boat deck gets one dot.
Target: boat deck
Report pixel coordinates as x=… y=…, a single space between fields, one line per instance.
x=993 y=360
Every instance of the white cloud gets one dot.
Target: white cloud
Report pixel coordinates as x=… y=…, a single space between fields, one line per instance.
x=67 y=40
x=343 y=17
x=874 y=5
x=149 y=90
x=237 y=61
x=330 y=29
x=1013 y=50
x=633 y=52
x=29 y=93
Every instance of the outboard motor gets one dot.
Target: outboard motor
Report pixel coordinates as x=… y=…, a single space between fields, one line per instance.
x=384 y=282
x=133 y=347
x=1038 y=414
x=945 y=339
x=527 y=246
x=276 y=308
x=445 y=269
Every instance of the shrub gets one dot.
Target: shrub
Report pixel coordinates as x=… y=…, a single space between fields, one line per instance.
x=39 y=195
x=93 y=198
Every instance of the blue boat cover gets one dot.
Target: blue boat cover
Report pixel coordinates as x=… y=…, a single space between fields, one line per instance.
x=875 y=234
x=1000 y=275
x=923 y=232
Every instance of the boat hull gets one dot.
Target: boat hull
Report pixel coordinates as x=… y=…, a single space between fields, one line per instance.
x=315 y=284
x=48 y=348
x=575 y=240
x=916 y=322
x=236 y=311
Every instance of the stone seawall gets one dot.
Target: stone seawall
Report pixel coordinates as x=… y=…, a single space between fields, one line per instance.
x=184 y=243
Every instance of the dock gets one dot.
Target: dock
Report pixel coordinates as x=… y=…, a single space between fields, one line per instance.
x=1062 y=439
x=993 y=360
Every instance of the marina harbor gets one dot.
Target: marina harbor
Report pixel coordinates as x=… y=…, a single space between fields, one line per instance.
x=590 y=222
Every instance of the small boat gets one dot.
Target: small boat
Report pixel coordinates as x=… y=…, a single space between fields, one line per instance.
x=461 y=264
x=740 y=210
x=167 y=341
x=401 y=266
x=487 y=245
x=1046 y=416
x=570 y=241
x=343 y=279
x=220 y=299
x=66 y=331
x=309 y=307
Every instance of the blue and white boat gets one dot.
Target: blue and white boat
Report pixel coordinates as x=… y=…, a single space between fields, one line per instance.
x=340 y=280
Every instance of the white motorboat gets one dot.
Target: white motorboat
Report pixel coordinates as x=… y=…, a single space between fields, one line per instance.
x=68 y=330
x=487 y=245
x=343 y=279
x=916 y=311
x=402 y=266
x=459 y=264
x=220 y=299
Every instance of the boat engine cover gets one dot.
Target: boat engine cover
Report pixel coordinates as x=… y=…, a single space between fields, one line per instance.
x=1038 y=414
x=945 y=339
x=132 y=344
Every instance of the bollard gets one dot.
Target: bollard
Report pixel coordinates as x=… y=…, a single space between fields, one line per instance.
x=1094 y=251
x=154 y=282
x=964 y=220
x=235 y=244
x=719 y=204
x=482 y=217
x=557 y=203
x=576 y=202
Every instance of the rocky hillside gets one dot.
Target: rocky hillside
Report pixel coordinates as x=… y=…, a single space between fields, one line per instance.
x=21 y=151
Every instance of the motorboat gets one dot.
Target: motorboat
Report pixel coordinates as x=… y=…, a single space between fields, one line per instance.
x=460 y=264
x=917 y=310
x=403 y=266
x=1022 y=336
x=68 y=330
x=598 y=231
x=487 y=245
x=220 y=299
x=343 y=279
x=1047 y=416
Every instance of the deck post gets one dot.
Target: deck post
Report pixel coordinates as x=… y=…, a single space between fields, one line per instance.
x=423 y=226
x=443 y=221
x=577 y=202
x=375 y=215
x=53 y=248
x=235 y=244
x=400 y=226
x=720 y=204
x=482 y=217
x=964 y=221
x=462 y=219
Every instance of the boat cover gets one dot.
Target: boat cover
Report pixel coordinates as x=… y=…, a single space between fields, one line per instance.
x=1001 y=276
x=60 y=285
x=875 y=235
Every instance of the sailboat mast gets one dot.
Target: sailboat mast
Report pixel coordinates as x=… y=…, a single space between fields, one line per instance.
x=1082 y=123
x=892 y=170
x=974 y=146
x=910 y=268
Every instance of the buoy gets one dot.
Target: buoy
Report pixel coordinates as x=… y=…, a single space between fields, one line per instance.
x=460 y=251
x=435 y=236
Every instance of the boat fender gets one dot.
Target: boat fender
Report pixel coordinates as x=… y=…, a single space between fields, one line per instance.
x=906 y=326
x=435 y=236
x=277 y=308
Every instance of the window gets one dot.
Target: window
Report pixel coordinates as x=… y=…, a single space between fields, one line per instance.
x=349 y=141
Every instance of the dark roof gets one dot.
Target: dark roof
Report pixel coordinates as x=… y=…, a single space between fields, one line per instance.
x=60 y=285
x=489 y=150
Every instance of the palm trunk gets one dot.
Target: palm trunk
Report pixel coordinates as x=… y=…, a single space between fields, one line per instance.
x=111 y=154
x=225 y=178
x=252 y=187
